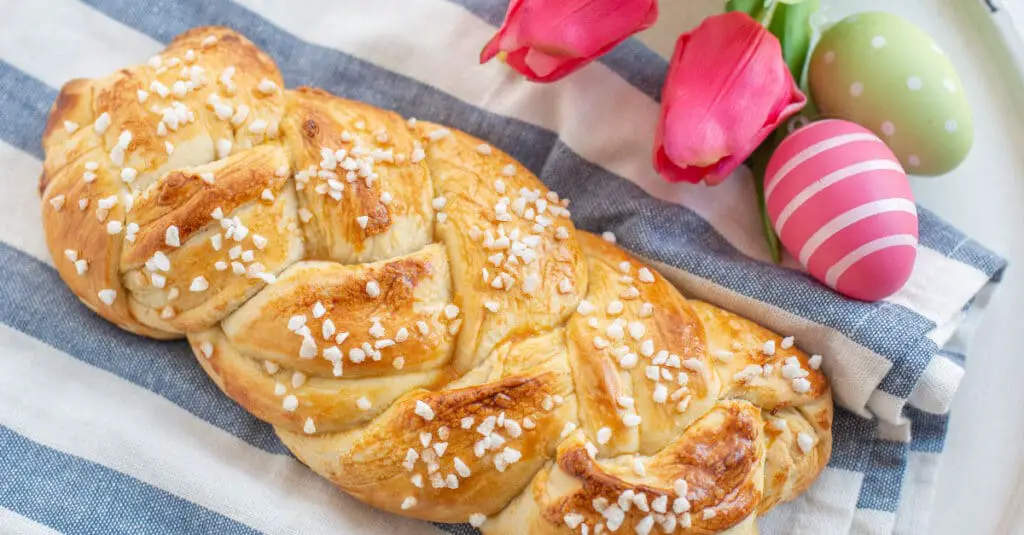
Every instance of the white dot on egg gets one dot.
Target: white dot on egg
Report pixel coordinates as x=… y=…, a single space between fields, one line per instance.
x=914 y=160
x=878 y=41
x=914 y=83
x=888 y=128
x=856 y=89
x=952 y=126
x=938 y=50
x=949 y=84
x=830 y=56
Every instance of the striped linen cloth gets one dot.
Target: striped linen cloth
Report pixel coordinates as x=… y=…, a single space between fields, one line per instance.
x=104 y=432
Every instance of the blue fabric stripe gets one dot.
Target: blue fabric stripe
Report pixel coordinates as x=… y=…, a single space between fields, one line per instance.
x=80 y=497
x=38 y=304
x=939 y=236
x=458 y=529
x=928 y=430
x=883 y=476
x=852 y=439
x=974 y=254
x=936 y=234
x=24 y=104
x=659 y=230
x=638 y=65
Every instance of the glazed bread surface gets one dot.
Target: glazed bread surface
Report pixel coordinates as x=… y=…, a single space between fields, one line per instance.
x=413 y=311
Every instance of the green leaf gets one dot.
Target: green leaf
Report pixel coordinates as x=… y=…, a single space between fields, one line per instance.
x=791 y=25
x=759 y=165
x=746 y=6
x=759 y=10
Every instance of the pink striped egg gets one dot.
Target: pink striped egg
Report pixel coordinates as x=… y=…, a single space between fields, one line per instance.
x=841 y=204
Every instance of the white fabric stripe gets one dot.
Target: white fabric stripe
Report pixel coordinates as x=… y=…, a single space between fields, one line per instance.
x=894 y=432
x=825 y=509
x=938 y=384
x=818 y=185
x=844 y=220
x=839 y=268
x=871 y=522
x=456 y=33
x=939 y=287
x=21 y=190
x=963 y=338
x=15 y=524
x=913 y=515
x=855 y=371
x=70 y=406
x=60 y=51
x=943 y=332
x=887 y=407
x=810 y=152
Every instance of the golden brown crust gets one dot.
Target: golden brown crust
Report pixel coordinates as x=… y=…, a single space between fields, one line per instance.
x=719 y=456
x=108 y=139
x=85 y=253
x=519 y=269
x=73 y=105
x=512 y=410
x=412 y=289
x=183 y=199
x=392 y=194
x=413 y=311
x=640 y=323
x=745 y=340
x=332 y=403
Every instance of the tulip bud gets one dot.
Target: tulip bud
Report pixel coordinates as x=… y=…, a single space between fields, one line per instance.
x=544 y=40
x=727 y=89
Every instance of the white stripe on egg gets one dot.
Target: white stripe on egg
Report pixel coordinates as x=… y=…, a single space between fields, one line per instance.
x=818 y=185
x=850 y=217
x=835 y=272
x=810 y=152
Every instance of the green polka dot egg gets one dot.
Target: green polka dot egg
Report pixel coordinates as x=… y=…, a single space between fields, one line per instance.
x=882 y=72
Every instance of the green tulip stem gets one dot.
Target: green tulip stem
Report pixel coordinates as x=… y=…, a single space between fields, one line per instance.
x=789 y=22
x=747 y=6
x=758 y=163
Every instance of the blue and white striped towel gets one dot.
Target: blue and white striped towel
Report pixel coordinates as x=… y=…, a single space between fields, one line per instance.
x=103 y=432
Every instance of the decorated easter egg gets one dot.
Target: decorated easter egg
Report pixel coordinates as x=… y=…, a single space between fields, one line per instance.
x=841 y=204
x=882 y=72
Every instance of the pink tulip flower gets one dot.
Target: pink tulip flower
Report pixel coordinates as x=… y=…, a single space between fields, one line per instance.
x=545 y=40
x=727 y=89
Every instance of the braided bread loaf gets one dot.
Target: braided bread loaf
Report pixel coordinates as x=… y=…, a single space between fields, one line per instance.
x=412 y=311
